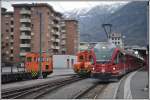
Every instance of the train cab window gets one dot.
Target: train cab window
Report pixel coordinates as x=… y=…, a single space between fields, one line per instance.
x=35 y=59
x=116 y=61
x=29 y=59
x=47 y=66
x=91 y=59
x=47 y=59
x=121 y=58
x=81 y=58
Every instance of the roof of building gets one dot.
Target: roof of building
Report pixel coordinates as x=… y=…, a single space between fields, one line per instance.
x=37 y=5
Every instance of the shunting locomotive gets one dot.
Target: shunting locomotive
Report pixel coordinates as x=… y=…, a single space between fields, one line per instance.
x=83 y=64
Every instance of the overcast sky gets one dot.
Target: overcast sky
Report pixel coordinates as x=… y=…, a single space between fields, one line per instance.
x=62 y=6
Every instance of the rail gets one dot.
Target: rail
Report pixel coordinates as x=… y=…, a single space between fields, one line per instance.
x=93 y=90
x=34 y=92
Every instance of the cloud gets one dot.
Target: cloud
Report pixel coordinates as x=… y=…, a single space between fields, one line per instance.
x=62 y=6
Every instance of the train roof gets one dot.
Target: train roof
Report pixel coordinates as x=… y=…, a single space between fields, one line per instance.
x=125 y=52
x=106 y=45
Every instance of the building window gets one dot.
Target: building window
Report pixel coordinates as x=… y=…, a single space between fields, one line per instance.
x=12 y=29
x=12 y=22
x=118 y=42
x=12 y=37
x=63 y=52
x=7 y=30
x=6 y=44
x=32 y=26
x=11 y=58
x=11 y=51
x=6 y=23
x=11 y=43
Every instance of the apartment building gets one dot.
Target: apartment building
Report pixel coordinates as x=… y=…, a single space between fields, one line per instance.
x=27 y=29
x=87 y=45
x=116 y=38
x=7 y=36
x=70 y=37
x=58 y=34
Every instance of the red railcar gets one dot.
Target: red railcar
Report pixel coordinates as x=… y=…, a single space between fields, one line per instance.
x=110 y=62
x=83 y=64
x=32 y=64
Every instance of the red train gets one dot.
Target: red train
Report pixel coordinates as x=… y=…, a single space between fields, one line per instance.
x=110 y=62
x=32 y=64
x=83 y=65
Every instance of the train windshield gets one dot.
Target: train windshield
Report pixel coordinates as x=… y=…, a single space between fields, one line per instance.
x=103 y=52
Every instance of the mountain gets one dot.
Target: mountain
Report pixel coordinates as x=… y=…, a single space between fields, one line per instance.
x=96 y=16
x=131 y=20
x=128 y=18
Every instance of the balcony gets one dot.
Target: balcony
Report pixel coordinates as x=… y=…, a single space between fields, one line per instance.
x=52 y=46
x=25 y=37
x=11 y=40
x=63 y=49
x=11 y=33
x=53 y=39
x=56 y=33
x=63 y=31
x=11 y=47
x=25 y=45
x=57 y=47
x=11 y=18
x=11 y=55
x=57 y=18
x=25 y=12
x=52 y=31
x=63 y=24
x=25 y=20
x=63 y=42
x=63 y=36
x=25 y=28
x=57 y=40
x=23 y=53
x=56 y=26
x=11 y=25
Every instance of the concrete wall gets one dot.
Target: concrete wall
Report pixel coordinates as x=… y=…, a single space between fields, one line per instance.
x=64 y=61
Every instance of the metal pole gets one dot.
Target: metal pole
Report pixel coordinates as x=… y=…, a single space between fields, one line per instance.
x=40 y=65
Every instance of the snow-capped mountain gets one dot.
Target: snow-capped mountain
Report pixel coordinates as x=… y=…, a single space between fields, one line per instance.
x=130 y=19
x=76 y=13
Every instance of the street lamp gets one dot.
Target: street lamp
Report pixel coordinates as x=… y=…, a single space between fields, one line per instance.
x=40 y=65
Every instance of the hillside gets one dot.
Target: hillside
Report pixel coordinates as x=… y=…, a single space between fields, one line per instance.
x=129 y=19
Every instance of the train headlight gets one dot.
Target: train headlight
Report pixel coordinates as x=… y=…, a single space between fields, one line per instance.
x=93 y=68
x=114 y=68
x=103 y=70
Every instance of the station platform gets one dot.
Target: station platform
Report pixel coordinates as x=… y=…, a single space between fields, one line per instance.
x=139 y=83
x=134 y=86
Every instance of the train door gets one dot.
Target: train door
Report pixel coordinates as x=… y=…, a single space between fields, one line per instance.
x=72 y=62
x=91 y=59
x=121 y=63
x=118 y=64
x=68 y=60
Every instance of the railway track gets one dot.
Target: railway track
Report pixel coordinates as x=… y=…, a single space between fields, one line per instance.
x=91 y=92
x=34 y=92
